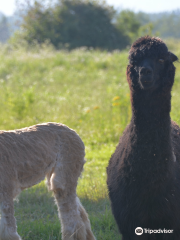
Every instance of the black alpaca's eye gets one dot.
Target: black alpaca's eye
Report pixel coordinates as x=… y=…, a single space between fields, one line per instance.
x=161 y=60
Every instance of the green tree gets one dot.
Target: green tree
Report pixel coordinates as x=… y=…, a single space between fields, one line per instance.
x=146 y=30
x=128 y=23
x=74 y=23
x=38 y=24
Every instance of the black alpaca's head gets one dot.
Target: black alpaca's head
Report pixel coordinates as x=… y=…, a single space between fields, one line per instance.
x=150 y=65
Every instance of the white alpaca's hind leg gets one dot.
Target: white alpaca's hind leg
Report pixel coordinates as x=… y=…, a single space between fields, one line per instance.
x=8 y=229
x=85 y=219
x=75 y=224
x=74 y=219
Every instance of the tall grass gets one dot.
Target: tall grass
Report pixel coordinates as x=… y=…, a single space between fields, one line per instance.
x=86 y=90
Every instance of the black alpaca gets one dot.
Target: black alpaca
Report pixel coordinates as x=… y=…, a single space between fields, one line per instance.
x=144 y=172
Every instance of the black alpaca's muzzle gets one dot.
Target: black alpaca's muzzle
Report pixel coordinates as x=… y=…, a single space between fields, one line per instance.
x=146 y=77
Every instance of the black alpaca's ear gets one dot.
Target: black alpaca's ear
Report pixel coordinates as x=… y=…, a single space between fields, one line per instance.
x=172 y=57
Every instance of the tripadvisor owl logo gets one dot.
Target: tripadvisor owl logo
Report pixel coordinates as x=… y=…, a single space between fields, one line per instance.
x=138 y=231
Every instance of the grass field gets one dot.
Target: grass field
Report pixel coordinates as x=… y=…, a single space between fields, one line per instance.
x=87 y=91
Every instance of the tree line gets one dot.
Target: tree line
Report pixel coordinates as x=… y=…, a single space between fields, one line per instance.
x=74 y=23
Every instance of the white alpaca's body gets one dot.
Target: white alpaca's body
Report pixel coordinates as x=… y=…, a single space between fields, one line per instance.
x=29 y=155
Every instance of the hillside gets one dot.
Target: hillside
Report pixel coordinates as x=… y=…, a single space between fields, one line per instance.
x=86 y=90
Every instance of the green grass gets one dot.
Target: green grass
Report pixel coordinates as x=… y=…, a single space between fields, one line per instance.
x=87 y=91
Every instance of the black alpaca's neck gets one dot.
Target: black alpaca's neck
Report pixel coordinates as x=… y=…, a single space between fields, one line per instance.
x=151 y=111
x=151 y=133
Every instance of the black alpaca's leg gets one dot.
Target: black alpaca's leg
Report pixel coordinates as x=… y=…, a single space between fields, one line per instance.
x=125 y=237
x=137 y=237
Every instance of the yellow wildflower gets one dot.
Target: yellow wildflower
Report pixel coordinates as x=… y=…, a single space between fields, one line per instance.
x=96 y=107
x=116 y=98
x=115 y=104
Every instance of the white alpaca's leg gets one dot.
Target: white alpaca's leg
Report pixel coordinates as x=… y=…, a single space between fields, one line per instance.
x=8 y=229
x=71 y=225
x=85 y=219
x=74 y=219
x=63 y=182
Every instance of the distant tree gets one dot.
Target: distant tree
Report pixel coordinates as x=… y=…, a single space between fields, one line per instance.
x=128 y=23
x=74 y=23
x=147 y=29
x=4 y=29
x=38 y=23
x=165 y=24
x=135 y=25
x=168 y=24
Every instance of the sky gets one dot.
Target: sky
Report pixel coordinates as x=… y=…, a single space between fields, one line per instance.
x=149 y=6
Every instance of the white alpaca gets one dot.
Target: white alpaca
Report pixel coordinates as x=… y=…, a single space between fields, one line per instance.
x=29 y=155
